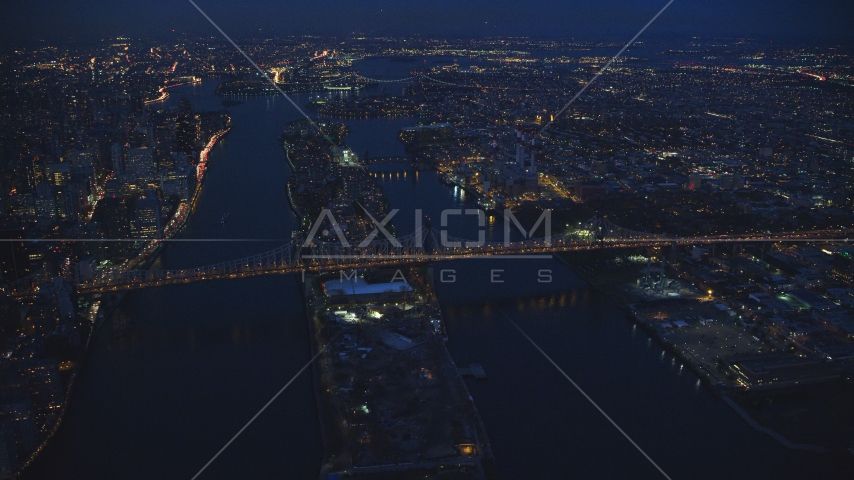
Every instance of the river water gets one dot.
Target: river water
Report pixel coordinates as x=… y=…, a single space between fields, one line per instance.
x=158 y=399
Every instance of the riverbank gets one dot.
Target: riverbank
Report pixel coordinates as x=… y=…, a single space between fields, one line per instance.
x=164 y=94
x=145 y=258
x=99 y=314
x=291 y=203
x=182 y=213
x=776 y=436
x=178 y=336
x=705 y=377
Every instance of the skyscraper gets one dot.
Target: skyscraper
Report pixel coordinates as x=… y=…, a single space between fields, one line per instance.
x=148 y=216
x=186 y=129
x=141 y=166
x=118 y=160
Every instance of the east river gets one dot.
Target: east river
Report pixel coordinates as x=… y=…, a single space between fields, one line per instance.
x=160 y=394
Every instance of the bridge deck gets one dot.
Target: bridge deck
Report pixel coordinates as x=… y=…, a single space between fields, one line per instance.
x=298 y=256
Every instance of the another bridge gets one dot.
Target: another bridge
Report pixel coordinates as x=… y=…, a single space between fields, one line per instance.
x=388 y=160
x=425 y=245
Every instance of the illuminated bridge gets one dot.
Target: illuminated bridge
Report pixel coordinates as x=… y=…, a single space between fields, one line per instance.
x=423 y=246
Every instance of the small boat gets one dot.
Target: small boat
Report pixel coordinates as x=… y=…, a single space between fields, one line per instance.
x=224 y=218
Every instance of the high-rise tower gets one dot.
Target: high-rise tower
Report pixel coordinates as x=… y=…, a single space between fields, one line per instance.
x=526 y=151
x=118 y=161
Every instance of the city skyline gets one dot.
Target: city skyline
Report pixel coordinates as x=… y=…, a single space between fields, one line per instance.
x=786 y=21
x=424 y=249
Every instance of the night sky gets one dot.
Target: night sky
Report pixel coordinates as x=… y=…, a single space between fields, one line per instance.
x=825 y=20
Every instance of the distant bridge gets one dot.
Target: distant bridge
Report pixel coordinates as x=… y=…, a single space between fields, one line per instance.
x=422 y=246
x=388 y=160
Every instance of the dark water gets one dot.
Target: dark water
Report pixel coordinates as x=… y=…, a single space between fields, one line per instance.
x=200 y=360
x=540 y=426
x=197 y=361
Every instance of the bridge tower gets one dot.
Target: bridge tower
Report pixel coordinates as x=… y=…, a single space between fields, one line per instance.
x=429 y=244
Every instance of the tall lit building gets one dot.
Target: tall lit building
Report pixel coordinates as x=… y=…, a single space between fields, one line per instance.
x=118 y=160
x=141 y=166
x=187 y=129
x=58 y=173
x=148 y=216
x=46 y=206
